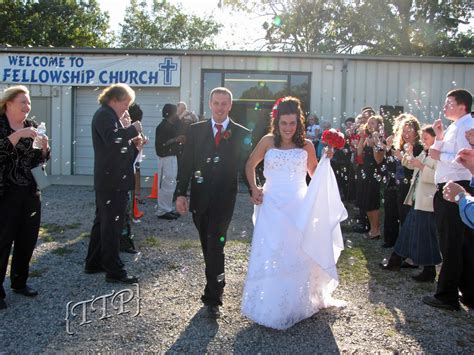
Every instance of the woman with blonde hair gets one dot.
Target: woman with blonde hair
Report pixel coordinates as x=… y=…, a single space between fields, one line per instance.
x=20 y=205
x=406 y=142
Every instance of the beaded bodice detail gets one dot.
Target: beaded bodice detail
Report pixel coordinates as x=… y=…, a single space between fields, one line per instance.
x=292 y=161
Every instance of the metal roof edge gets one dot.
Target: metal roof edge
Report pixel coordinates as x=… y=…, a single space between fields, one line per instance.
x=181 y=52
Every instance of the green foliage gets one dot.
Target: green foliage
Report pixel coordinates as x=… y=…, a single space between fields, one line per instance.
x=374 y=27
x=165 y=26
x=53 y=23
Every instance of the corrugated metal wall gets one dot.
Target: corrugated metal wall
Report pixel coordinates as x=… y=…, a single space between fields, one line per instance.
x=420 y=87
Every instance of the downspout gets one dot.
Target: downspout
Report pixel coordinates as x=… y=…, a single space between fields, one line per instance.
x=344 y=71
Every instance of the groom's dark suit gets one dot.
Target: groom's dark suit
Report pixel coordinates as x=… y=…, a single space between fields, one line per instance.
x=214 y=173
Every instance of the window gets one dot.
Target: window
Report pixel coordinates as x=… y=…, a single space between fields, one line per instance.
x=256 y=90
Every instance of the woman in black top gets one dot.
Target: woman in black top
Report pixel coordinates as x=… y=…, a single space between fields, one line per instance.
x=20 y=205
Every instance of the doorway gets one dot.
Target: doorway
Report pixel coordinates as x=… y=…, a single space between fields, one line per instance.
x=255 y=117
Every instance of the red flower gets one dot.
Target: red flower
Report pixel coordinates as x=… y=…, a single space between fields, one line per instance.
x=275 y=107
x=333 y=138
x=226 y=134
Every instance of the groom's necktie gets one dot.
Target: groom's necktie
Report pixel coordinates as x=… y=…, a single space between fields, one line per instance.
x=217 y=137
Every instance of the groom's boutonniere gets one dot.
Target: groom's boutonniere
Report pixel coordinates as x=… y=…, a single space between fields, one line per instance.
x=226 y=134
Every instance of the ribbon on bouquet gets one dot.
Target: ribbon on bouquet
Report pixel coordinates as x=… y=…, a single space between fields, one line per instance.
x=321 y=217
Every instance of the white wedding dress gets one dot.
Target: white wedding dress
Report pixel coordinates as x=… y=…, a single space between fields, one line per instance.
x=296 y=242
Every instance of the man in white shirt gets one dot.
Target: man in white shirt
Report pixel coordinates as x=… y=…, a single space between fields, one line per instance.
x=456 y=239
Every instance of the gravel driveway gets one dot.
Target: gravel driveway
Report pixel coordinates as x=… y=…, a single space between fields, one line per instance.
x=384 y=312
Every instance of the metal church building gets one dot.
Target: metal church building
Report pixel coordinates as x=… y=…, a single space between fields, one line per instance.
x=65 y=83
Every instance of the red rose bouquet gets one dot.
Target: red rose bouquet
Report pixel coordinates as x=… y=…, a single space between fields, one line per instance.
x=333 y=138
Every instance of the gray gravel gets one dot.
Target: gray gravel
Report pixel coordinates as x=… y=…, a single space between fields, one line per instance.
x=384 y=312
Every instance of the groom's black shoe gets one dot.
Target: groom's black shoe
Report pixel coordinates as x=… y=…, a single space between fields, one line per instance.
x=214 y=312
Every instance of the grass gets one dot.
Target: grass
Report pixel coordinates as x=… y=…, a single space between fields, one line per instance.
x=238 y=241
x=62 y=251
x=48 y=231
x=352 y=265
x=383 y=312
x=84 y=235
x=188 y=244
x=51 y=228
x=47 y=238
x=151 y=242
x=37 y=272
x=72 y=226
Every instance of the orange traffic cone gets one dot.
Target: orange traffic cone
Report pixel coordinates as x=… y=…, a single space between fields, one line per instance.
x=137 y=214
x=154 y=187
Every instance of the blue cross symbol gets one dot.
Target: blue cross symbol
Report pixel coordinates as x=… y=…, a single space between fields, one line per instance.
x=168 y=66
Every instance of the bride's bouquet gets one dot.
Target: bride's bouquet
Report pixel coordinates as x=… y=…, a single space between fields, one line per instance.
x=333 y=138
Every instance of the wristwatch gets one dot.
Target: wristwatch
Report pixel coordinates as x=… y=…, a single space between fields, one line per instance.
x=459 y=196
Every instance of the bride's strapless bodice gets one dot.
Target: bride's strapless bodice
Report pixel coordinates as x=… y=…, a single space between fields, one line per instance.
x=285 y=167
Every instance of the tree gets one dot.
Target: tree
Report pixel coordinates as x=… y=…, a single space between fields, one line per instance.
x=165 y=26
x=53 y=23
x=375 y=27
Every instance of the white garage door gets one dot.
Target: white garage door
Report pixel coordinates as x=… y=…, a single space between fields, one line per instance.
x=151 y=101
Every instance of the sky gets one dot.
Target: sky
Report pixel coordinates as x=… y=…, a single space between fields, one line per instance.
x=240 y=32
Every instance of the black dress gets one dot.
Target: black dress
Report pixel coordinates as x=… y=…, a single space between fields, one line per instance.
x=368 y=198
x=391 y=222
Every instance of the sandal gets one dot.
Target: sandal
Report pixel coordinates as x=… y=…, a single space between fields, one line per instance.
x=373 y=237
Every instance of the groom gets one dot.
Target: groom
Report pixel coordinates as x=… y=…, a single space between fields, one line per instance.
x=215 y=152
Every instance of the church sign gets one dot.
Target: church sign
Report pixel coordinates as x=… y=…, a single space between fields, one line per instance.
x=79 y=70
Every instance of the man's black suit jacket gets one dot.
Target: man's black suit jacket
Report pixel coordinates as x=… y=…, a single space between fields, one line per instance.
x=114 y=154
x=213 y=170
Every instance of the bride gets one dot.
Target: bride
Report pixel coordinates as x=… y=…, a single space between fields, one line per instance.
x=297 y=238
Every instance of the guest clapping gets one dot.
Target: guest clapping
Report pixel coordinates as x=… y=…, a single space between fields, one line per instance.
x=20 y=205
x=418 y=240
x=407 y=144
x=368 y=194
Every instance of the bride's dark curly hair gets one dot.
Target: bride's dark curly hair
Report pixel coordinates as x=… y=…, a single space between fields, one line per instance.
x=287 y=106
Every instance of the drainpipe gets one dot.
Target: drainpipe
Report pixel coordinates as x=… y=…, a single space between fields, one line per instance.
x=344 y=71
